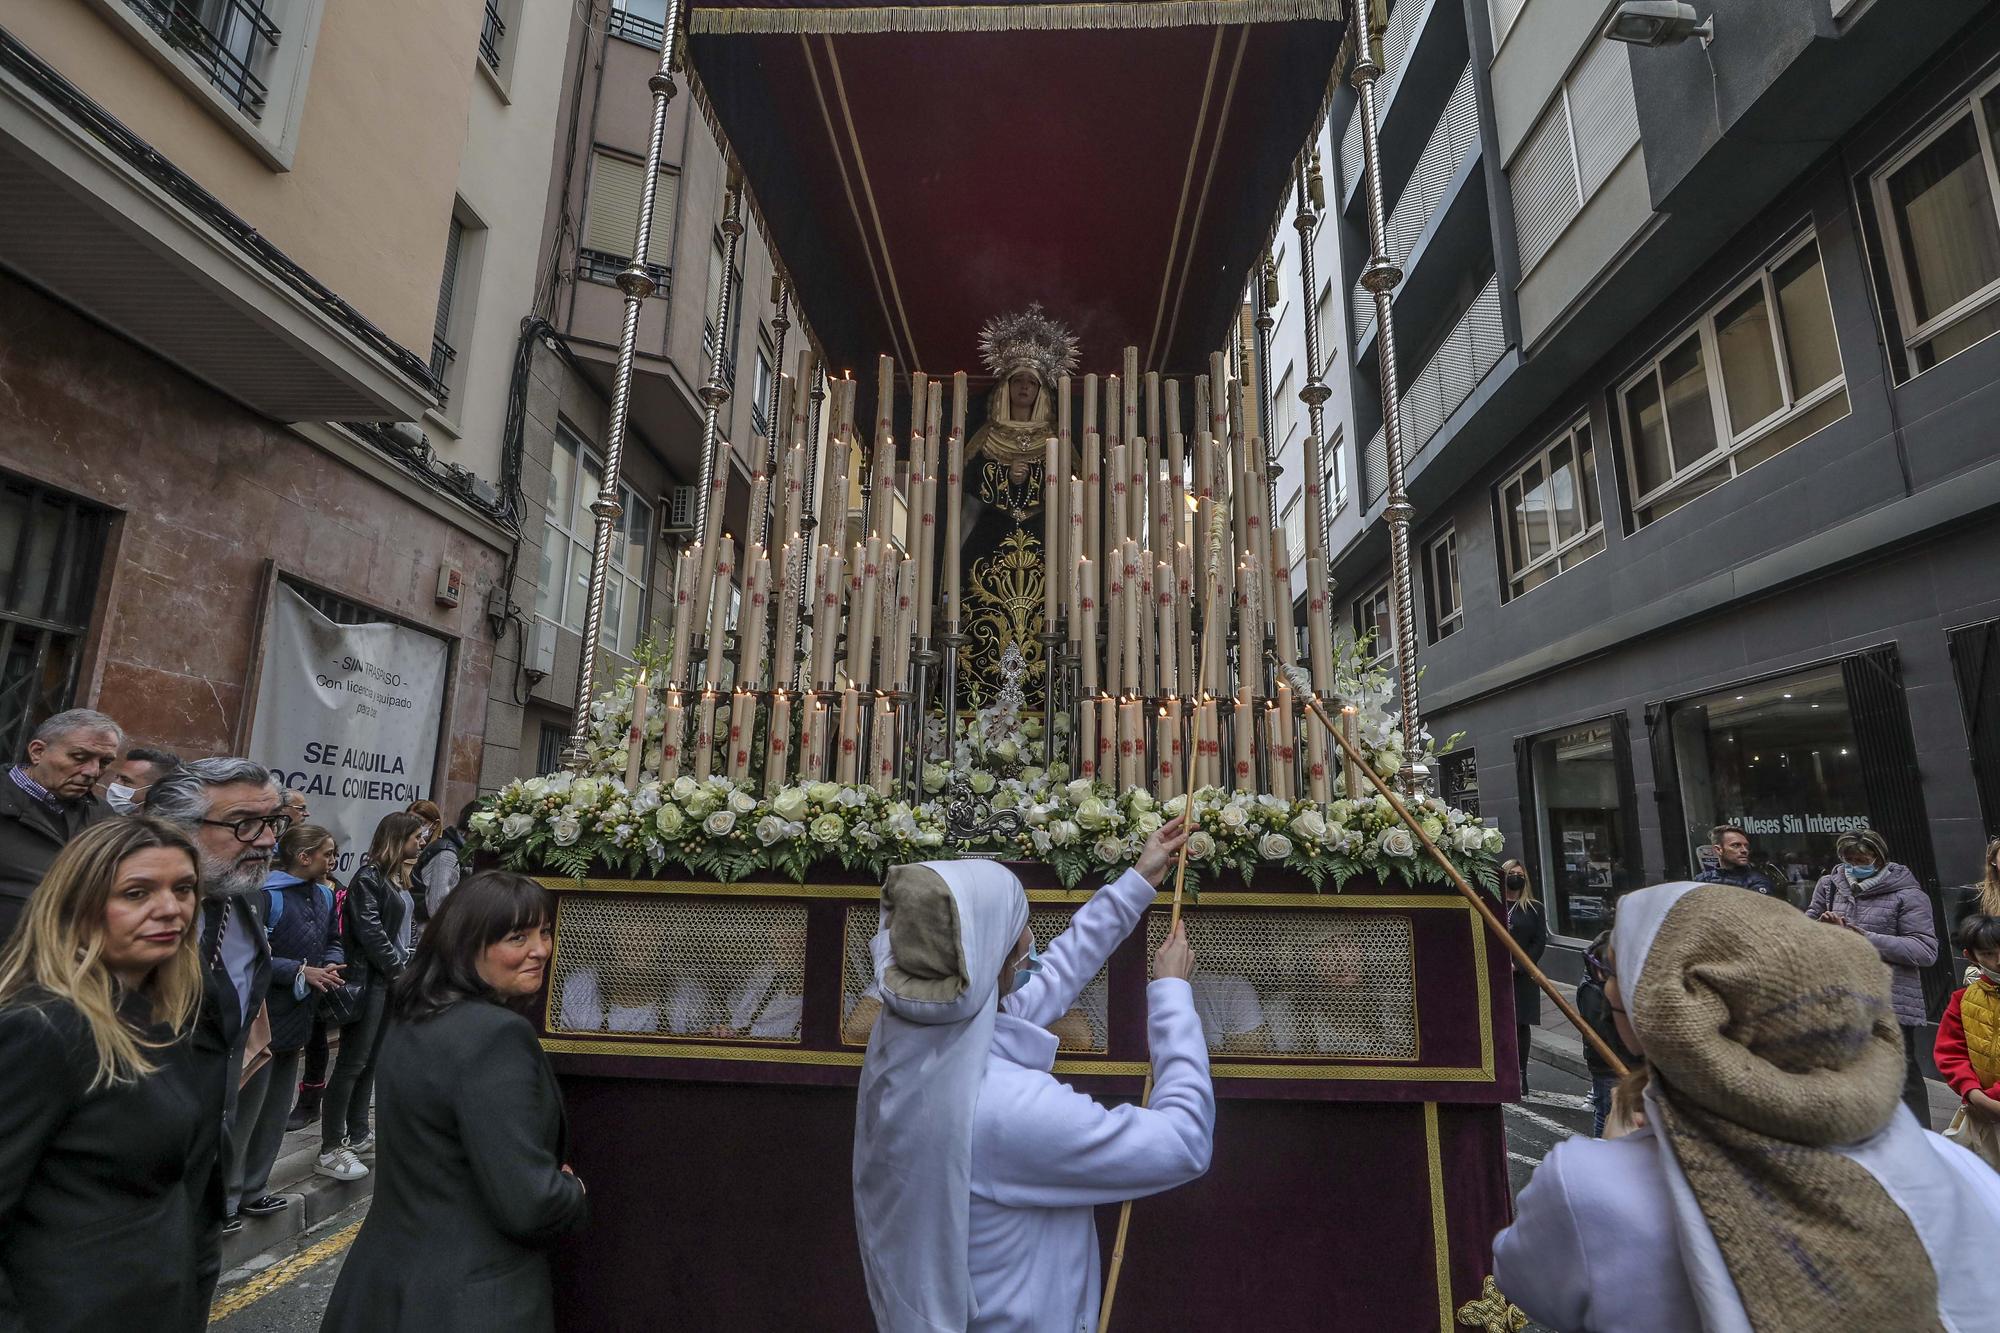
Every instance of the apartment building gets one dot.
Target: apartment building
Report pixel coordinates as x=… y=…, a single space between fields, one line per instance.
x=237 y=244
x=1697 y=373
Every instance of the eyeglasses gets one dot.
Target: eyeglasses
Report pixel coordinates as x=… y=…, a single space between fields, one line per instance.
x=247 y=828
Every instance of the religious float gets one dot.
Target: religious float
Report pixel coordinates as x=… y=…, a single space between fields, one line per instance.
x=1064 y=615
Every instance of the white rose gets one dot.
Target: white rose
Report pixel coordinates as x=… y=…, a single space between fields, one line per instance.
x=516 y=827
x=828 y=828
x=1471 y=838
x=1200 y=846
x=1274 y=846
x=1141 y=799
x=1109 y=850
x=1031 y=775
x=1007 y=798
x=670 y=821
x=929 y=837
x=1094 y=812
x=865 y=835
x=558 y=784
x=982 y=782
x=484 y=821
x=720 y=824
x=684 y=787
x=935 y=776
x=1233 y=817
x=742 y=802
x=1078 y=791
x=1491 y=841
x=1063 y=832
x=770 y=829
x=565 y=830
x=1275 y=804
x=851 y=797
x=1174 y=805
x=1146 y=822
x=1058 y=772
x=822 y=792
x=1310 y=824
x=1039 y=840
x=1006 y=752
x=789 y=803
x=699 y=802
x=1432 y=828
x=1396 y=841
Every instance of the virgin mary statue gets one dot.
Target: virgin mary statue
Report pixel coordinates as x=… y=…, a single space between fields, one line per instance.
x=1004 y=561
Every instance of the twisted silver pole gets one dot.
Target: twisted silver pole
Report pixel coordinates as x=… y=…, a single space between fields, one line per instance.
x=761 y=523
x=636 y=282
x=1315 y=393
x=1380 y=277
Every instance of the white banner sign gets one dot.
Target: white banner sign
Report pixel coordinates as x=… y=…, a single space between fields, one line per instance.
x=348 y=715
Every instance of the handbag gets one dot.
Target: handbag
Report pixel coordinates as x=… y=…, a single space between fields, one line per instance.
x=343 y=1004
x=257 y=1045
x=1977 y=1134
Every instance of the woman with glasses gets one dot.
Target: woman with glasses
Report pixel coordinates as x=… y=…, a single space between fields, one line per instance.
x=376 y=943
x=99 y=1130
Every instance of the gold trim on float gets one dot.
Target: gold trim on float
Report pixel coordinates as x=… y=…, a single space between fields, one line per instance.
x=708 y=888
x=750 y=21
x=1440 y=1235
x=669 y=1050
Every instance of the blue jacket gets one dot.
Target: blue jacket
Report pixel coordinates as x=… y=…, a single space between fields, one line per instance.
x=1745 y=878
x=299 y=919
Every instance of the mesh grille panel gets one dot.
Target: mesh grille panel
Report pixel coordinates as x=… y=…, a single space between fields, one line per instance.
x=1296 y=983
x=679 y=968
x=1082 y=1029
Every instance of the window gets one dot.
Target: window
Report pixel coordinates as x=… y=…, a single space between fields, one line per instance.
x=549 y=747
x=576 y=475
x=492 y=36
x=1939 y=209
x=1442 y=604
x=442 y=352
x=1333 y=459
x=1584 y=852
x=1375 y=623
x=765 y=386
x=1587 y=130
x=1284 y=410
x=232 y=42
x=611 y=220
x=643 y=21
x=1755 y=376
x=50 y=549
x=1549 y=516
x=1294 y=526
x=1323 y=321
x=708 y=350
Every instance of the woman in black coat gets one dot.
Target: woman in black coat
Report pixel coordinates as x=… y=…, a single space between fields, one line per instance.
x=1530 y=929
x=98 y=1120
x=470 y=1183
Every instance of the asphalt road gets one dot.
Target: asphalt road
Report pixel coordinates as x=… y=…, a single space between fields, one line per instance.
x=288 y=1293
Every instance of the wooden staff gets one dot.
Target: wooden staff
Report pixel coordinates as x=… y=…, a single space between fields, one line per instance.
x=1471 y=895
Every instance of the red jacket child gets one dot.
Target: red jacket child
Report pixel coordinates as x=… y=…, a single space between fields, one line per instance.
x=1968 y=1039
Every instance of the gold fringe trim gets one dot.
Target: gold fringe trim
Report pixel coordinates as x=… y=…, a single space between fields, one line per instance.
x=1101 y=15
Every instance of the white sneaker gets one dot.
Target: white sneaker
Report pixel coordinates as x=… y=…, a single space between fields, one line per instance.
x=363 y=1146
x=340 y=1164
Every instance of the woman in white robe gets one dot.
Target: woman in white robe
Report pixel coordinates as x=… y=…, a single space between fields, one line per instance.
x=975 y=1170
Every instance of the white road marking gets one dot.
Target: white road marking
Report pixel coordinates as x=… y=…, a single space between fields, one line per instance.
x=1543 y=1122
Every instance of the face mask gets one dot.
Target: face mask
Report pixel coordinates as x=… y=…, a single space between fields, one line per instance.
x=1992 y=975
x=1030 y=965
x=1861 y=874
x=122 y=798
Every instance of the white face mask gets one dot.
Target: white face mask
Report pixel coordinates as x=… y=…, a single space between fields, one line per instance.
x=123 y=799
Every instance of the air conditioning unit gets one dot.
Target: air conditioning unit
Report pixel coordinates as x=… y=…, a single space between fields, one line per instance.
x=538 y=657
x=681 y=508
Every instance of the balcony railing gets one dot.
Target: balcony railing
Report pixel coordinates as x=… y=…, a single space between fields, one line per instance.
x=634 y=27
x=228 y=39
x=490 y=35
x=1396 y=39
x=602 y=266
x=442 y=355
x=1455 y=139
x=1471 y=349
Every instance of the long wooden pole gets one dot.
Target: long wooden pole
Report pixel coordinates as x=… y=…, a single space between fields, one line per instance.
x=1353 y=756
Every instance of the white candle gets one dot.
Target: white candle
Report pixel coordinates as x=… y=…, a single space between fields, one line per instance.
x=1053 y=474
x=1168 y=747
x=1073 y=555
x=684 y=602
x=635 y=735
x=882 y=753
x=704 y=736
x=1130 y=652
x=1086 y=752
x=718 y=612
x=1131 y=745
x=954 y=521
x=861 y=626
x=812 y=742
x=1246 y=740
x=741 y=715
x=1087 y=622
x=850 y=751
x=1349 y=775
x=1107 y=740
x=1164 y=599
x=673 y=731
x=778 y=739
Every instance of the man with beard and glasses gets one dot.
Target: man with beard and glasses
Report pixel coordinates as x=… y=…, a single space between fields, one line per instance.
x=46 y=799
x=229 y=808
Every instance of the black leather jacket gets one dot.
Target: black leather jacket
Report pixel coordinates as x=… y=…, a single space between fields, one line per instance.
x=375 y=914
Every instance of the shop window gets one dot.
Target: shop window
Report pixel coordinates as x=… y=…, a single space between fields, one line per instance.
x=1583 y=849
x=1756 y=375
x=1781 y=759
x=51 y=546
x=1441 y=599
x=1938 y=206
x=576 y=475
x=1549 y=516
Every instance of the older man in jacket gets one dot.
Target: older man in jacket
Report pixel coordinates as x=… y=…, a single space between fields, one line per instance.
x=46 y=800
x=229 y=808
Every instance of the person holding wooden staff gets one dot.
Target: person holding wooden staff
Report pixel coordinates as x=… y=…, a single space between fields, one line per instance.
x=975 y=1169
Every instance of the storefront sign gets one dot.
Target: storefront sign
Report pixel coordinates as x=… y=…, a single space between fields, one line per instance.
x=348 y=715
x=1777 y=825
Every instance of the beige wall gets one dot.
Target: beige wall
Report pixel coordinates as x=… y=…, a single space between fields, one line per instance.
x=365 y=206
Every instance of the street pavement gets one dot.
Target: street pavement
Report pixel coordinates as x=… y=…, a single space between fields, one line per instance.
x=285 y=1289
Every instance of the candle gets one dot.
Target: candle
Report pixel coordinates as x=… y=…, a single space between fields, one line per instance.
x=777 y=741
x=1288 y=745
x=635 y=735
x=1146 y=610
x=1114 y=625
x=1286 y=624
x=954 y=517
x=1114 y=416
x=718 y=612
x=1087 y=622
x=1120 y=501
x=850 y=715
x=1319 y=628
x=1208 y=745
x=741 y=722
x=925 y=555
x=1164 y=595
x=786 y=650
x=1087 y=749
x=1130 y=652
x=1093 y=506
x=1131 y=745
x=812 y=742
x=1168 y=747
x=1052 y=496
x=1132 y=386
x=751 y=661
x=1274 y=774
x=704 y=736
x=888 y=619
x=1317 y=785
x=1090 y=421
x=826 y=622
x=1107 y=741
x=861 y=626
x=882 y=753
x=685 y=566
x=1349 y=777
x=1246 y=739
x=673 y=731
x=1072 y=568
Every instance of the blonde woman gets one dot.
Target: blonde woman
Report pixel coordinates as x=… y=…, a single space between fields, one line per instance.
x=97 y=990
x=1989 y=888
x=1530 y=929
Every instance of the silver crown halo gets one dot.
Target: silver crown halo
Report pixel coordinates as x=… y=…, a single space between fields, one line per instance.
x=1028 y=340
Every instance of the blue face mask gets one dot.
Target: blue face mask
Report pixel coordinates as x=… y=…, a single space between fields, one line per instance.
x=1030 y=965
x=1861 y=874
